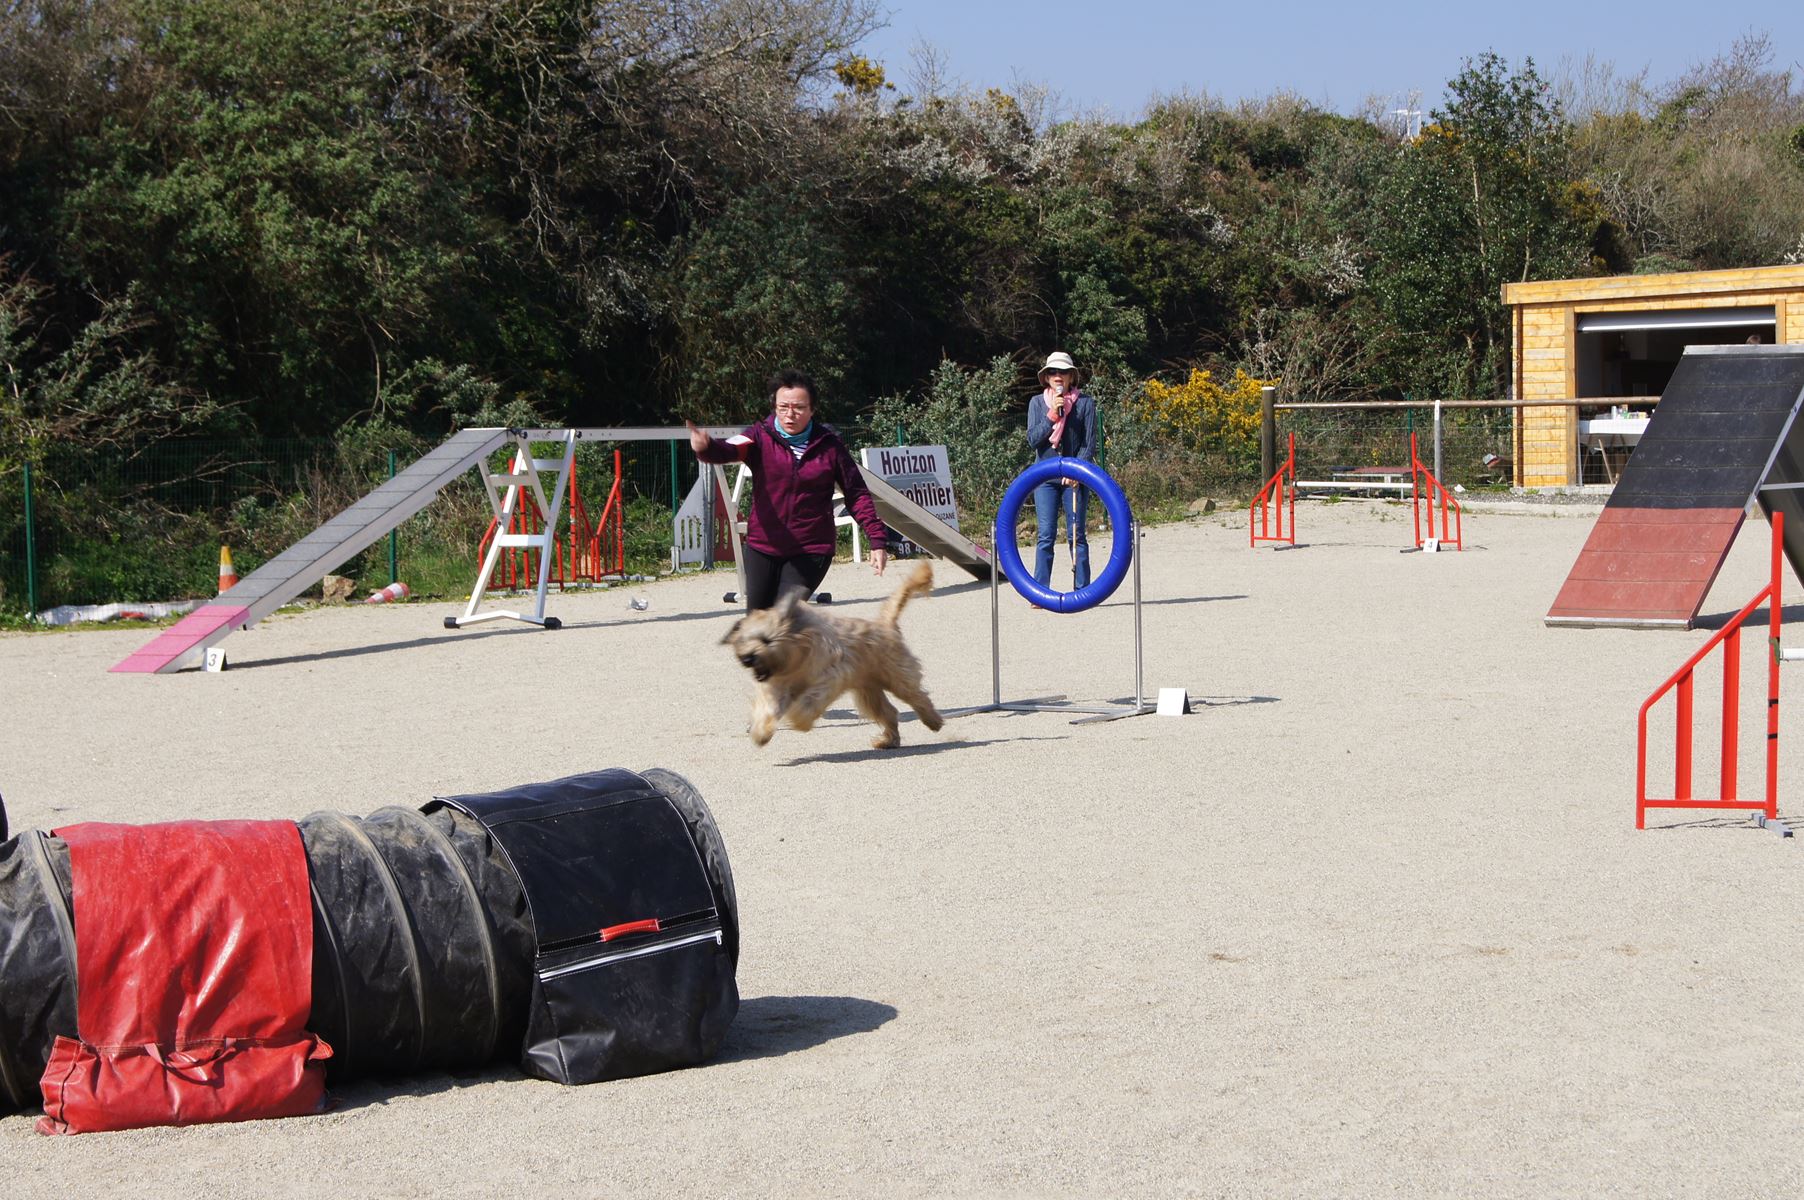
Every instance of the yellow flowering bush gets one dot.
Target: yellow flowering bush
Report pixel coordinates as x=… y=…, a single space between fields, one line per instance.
x=860 y=76
x=1205 y=417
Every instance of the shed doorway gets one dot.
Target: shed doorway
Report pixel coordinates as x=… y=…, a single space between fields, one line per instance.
x=1633 y=355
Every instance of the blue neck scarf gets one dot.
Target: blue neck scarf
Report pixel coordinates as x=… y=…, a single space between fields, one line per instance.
x=797 y=442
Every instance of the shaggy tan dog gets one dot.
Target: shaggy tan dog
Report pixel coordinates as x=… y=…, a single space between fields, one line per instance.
x=804 y=660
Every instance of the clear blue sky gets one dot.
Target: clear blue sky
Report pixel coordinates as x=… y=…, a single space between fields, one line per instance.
x=1116 y=54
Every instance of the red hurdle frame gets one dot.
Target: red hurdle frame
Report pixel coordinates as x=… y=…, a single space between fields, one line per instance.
x=588 y=553
x=1423 y=485
x=1279 y=490
x=1729 y=638
x=607 y=542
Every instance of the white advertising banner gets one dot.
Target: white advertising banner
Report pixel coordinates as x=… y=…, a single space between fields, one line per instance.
x=923 y=474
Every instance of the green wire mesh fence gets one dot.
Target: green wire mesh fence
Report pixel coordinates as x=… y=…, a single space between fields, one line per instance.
x=99 y=525
x=89 y=525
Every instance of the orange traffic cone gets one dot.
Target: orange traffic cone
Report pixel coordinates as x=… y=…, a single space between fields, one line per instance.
x=228 y=574
x=394 y=591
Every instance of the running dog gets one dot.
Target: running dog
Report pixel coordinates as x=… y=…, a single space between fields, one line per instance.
x=804 y=660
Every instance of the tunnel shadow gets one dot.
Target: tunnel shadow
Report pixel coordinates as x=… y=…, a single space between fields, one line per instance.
x=772 y=1026
x=766 y=1027
x=351 y=1095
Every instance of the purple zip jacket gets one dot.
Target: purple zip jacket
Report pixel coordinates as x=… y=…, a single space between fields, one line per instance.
x=792 y=499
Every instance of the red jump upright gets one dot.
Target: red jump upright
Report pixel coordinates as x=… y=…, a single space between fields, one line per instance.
x=1430 y=493
x=1729 y=638
x=1266 y=520
x=606 y=548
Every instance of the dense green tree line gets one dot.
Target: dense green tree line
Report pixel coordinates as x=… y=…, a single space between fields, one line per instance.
x=244 y=216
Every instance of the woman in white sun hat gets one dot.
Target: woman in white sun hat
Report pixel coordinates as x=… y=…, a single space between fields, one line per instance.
x=1061 y=422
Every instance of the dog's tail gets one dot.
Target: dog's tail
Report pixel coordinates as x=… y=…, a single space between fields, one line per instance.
x=918 y=583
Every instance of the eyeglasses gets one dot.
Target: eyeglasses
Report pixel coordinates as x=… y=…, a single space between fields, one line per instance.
x=794 y=408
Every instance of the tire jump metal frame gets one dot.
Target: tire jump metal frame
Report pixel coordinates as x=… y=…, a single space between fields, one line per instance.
x=1122 y=556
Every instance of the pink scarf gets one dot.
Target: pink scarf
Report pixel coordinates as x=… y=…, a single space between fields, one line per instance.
x=1058 y=426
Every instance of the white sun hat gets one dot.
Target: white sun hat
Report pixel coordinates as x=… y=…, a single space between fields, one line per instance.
x=1058 y=360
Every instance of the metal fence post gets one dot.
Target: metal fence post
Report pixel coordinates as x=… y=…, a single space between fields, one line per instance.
x=1268 y=432
x=708 y=498
x=31 y=554
x=394 y=535
x=1437 y=440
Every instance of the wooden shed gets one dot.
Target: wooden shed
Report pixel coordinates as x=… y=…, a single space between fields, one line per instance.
x=1610 y=344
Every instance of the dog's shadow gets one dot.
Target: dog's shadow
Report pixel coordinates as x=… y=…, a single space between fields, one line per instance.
x=916 y=750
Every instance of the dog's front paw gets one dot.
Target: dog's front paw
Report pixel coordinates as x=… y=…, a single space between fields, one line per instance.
x=889 y=739
x=762 y=732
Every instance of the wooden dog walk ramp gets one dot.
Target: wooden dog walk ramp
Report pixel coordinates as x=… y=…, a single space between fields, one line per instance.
x=300 y=566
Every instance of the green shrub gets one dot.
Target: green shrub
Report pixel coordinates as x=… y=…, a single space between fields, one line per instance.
x=980 y=415
x=648 y=537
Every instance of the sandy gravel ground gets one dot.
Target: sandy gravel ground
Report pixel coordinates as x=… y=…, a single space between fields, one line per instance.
x=1373 y=920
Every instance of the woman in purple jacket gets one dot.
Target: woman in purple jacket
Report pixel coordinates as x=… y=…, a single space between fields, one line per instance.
x=796 y=461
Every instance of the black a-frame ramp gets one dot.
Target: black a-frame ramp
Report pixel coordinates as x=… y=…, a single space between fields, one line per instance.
x=1725 y=426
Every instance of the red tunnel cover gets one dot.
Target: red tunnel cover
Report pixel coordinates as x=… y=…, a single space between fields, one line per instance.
x=194 y=959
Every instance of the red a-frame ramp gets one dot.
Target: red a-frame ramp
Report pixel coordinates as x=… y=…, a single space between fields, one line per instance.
x=1725 y=426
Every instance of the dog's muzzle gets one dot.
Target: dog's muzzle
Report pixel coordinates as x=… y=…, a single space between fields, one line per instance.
x=750 y=662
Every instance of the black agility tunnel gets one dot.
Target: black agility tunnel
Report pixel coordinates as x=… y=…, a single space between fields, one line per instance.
x=587 y=926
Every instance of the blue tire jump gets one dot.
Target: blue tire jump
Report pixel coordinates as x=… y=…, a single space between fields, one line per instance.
x=1121 y=520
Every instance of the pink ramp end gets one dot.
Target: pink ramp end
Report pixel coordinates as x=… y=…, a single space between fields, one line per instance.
x=181 y=638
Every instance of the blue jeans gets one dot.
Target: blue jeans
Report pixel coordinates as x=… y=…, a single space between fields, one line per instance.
x=1050 y=499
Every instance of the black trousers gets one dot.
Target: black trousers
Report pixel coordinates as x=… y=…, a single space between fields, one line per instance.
x=767 y=577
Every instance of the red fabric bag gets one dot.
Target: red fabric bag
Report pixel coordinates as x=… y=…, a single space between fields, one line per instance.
x=194 y=962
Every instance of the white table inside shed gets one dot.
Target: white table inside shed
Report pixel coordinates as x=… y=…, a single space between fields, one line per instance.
x=1599 y=434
